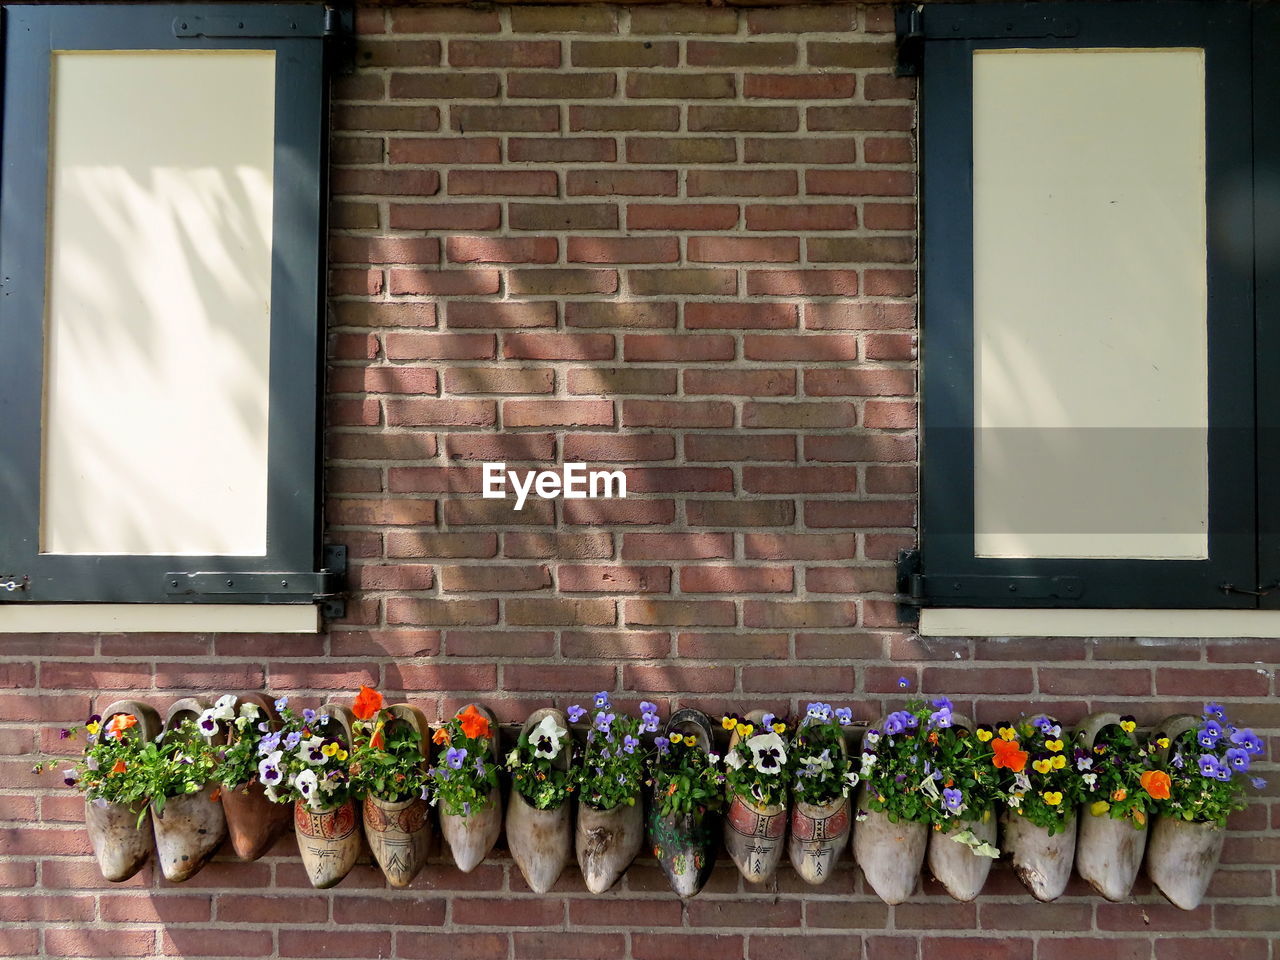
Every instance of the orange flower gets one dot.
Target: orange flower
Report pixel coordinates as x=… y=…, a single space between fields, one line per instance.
x=119 y=767
x=440 y=737
x=118 y=724
x=1119 y=795
x=1156 y=783
x=474 y=723
x=368 y=702
x=376 y=741
x=1008 y=755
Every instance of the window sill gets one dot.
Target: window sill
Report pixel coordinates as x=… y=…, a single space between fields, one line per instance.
x=159 y=618
x=954 y=622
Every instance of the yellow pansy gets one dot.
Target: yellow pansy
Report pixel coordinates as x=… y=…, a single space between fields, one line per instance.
x=1053 y=746
x=341 y=755
x=92 y=727
x=779 y=727
x=1041 y=766
x=689 y=741
x=984 y=734
x=329 y=749
x=1058 y=762
x=675 y=737
x=1052 y=797
x=728 y=723
x=745 y=729
x=1008 y=733
x=1128 y=726
x=1099 y=807
x=1163 y=743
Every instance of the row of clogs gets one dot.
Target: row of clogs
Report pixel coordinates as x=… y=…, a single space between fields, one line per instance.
x=1106 y=853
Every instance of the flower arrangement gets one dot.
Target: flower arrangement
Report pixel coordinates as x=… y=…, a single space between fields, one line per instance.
x=1047 y=791
x=533 y=768
x=1203 y=779
x=465 y=775
x=613 y=761
x=757 y=766
x=923 y=768
x=823 y=770
x=386 y=756
x=298 y=762
x=118 y=767
x=1114 y=774
x=686 y=780
x=237 y=762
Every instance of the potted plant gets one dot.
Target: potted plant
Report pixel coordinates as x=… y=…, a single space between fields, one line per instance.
x=1202 y=765
x=465 y=783
x=1113 y=828
x=107 y=773
x=538 y=833
x=892 y=822
x=1043 y=798
x=688 y=793
x=390 y=750
x=960 y=788
x=609 y=778
x=757 y=773
x=253 y=821
x=185 y=812
x=823 y=780
x=305 y=764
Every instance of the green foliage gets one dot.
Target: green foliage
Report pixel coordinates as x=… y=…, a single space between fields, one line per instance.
x=1119 y=759
x=1049 y=788
x=821 y=764
x=758 y=767
x=465 y=773
x=686 y=779
x=534 y=767
x=612 y=768
x=387 y=759
x=1208 y=768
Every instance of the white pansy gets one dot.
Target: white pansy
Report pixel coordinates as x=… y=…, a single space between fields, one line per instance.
x=546 y=737
x=820 y=762
x=248 y=710
x=768 y=752
x=225 y=708
x=851 y=780
x=306 y=784
x=734 y=759
x=309 y=751
x=513 y=757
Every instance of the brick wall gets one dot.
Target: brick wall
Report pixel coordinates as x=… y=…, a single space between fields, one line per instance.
x=678 y=241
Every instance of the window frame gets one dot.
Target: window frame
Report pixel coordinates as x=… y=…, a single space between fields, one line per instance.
x=294 y=481
x=945 y=572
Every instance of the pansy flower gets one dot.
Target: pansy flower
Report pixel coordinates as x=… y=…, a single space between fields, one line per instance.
x=768 y=752
x=576 y=713
x=455 y=757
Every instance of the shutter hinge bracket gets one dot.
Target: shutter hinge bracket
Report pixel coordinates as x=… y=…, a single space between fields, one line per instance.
x=322 y=586
x=908 y=22
x=917 y=589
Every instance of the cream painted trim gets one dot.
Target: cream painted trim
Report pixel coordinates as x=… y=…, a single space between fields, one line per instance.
x=158 y=618
x=954 y=622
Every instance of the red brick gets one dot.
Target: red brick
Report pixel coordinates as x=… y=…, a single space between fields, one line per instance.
x=679 y=613
x=676 y=347
x=436 y=282
x=613 y=579
x=504 y=53
x=778 y=546
x=501 y=183
x=1101 y=681
x=623 y=250
x=730 y=449
x=501 y=250
x=743 y=249
x=726 y=579
x=691 y=679
x=681 y=216
x=677 y=546
x=808 y=282
x=764 y=315
x=747 y=383
x=445 y=216
x=562 y=150
x=612 y=448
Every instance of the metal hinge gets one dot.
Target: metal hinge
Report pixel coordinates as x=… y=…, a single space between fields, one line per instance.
x=14 y=587
x=302 y=22
x=322 y=586
x=909 y=25
x=917 y=589
x=1260 y=592
x=1008 y=21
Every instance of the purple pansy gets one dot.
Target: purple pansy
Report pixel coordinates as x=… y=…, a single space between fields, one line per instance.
x=1215 y=710
x=1238 y=759
x=1248 y=740
x=1209 y=765
x=455 y=757
x=953 y=799
x=576 y=713
x=602 y=700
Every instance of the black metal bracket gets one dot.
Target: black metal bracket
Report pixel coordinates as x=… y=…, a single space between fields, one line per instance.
x=917 y=589
x=908 y=23
x=300 y=23
x=340 y=36
x=322 y=586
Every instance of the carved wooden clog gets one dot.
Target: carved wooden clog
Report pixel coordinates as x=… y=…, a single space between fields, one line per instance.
x=685 y=844
x=253 y=821
x=607 y=841
x=120 y=845
x=1108 y=852
x=818 y=835
x=471 y=837
x=539 y=840
x=329 y=837
x=961 y=871
x=399 y=831
x=191 y=827
x=1041 y=862
x=1182 y=855
x=754 y=832
x=889 y=854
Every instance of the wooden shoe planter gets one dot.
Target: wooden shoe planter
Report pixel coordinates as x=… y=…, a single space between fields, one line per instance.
x=1108 y=852
x=191 y=827
x=119 y=844
x=399 y=831
x=685 y=844
x=1042 y=862
x=889 y=854
x=470 y=838
x=754 y=832
x=329 y=837
x=1182 y=855
x=819 y=834
x=253 y=821
x=539 y=840
x=961 y=871
x=607 y=841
